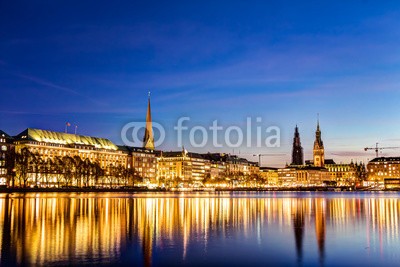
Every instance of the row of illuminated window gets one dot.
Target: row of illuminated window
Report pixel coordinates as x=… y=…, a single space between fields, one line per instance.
x=137 y=164
x=51 y=152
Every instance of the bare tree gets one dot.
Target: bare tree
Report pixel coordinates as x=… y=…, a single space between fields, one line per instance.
x=68 y=169
x=10 y=166
x=22 y=161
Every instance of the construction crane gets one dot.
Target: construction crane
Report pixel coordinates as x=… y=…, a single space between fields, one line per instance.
x=377 y=149
x=265 y=155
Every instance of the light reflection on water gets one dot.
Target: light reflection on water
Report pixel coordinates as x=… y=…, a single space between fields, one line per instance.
x=299 y=229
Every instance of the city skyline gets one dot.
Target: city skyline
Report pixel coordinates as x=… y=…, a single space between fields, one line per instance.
x=282 y=62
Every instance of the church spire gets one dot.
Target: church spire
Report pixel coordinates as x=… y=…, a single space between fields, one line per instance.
x=319 y=151
x=148 y=140
x=297 y=152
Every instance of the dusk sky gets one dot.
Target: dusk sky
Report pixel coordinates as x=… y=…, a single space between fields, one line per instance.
x=92 y=63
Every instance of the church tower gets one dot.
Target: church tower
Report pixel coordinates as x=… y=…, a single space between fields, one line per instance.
x=148 y=140
x=319 y=151
x=297 y=152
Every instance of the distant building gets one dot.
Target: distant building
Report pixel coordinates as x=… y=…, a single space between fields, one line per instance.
x=269 y=176
x=303 y=176
x=143 y=164
x=383 y=168
x=346 y=174
x=182 y=167
x=287 y=177
x=148 y=140
x=48 y=150
x=6 y=158
x=190 y=168
x=318 y=151
x=50 y=144
x=297 y=151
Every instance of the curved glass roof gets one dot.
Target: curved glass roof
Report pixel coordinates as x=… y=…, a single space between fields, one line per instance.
x=66 y=139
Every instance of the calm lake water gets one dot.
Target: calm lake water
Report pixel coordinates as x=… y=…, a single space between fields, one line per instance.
x=197 y=229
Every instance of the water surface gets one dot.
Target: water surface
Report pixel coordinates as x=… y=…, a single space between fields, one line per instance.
x=197 y=229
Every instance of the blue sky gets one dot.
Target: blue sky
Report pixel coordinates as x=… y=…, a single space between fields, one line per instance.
x=92 y=64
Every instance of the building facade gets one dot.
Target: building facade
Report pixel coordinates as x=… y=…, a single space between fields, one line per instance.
x=383 y=168
x=346 y=174
x=319 y=150
x=6 y=158
x=269 y=176
x=181 y=167
x=303 y=176
x=54 y=159
x=148 y=140
x=143 y=165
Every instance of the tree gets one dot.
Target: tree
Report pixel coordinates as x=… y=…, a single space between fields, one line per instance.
x=57 y=169
x=10 y=166
x=46 y=170
x=22 y=161
x=68 y=169
x=86 y=172
x=79 y=170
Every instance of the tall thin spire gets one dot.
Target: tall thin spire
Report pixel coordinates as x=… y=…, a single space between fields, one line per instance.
x=148 y=140
x=297 y=152
x=319 y=151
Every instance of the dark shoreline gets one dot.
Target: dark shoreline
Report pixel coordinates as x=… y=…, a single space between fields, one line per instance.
x=78 y=190
x=145 y=190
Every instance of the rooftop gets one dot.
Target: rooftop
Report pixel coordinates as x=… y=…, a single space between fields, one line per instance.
x=65 y=139
x=385 y=159
x=5 y=135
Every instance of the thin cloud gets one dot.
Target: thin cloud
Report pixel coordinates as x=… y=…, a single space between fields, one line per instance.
x=56 y=87
x=48 y=84
x=350 y=154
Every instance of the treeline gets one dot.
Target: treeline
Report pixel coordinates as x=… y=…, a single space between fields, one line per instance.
x=27 y=168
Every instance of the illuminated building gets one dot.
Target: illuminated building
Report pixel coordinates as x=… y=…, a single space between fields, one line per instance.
x=61 y=159
x=182 y=166
x=144 y=164
x=297 y=151
x=318 y=151
x=239 y=166
x=287 y=176
x=380 y=169
x=238 y=171
x=148 y=140
x=6 y=151
x=186 y=167
x=313 y=176
x=269 y=175
x=303 y=176
x=49 y=144
x=346 y=174
x=218 y=168
x=341 y=174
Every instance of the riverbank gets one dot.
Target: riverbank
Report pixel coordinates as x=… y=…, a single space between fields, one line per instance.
x=159 y=190
x=79 y=190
